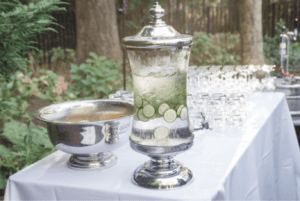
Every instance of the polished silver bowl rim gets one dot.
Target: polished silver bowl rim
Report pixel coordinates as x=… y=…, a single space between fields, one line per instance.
x=37 y=114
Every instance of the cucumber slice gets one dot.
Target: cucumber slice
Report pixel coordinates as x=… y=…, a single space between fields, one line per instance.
x=134 y=138
x=183 y=113
x=161 y=132
x=138 y=101
x=149 y=111
x=163 y=108
x=136 y=113
x=170 y=115
x=145 y=103
x=153 y=117
x=141 y=116
x=179 y=109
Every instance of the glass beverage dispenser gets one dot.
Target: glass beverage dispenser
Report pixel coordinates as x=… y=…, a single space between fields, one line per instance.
x=159 y=58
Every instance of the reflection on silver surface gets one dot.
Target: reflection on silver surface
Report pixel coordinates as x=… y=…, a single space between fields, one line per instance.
x=89 y=130
x=162 y=171
x=111 y=131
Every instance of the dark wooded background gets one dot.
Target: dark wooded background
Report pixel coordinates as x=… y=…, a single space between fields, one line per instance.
x=184 y=18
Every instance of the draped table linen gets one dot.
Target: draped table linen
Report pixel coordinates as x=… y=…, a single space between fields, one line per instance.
x=260 y=161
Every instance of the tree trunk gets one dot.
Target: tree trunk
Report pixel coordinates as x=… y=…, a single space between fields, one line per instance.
x=97 y=30
x=250 y=15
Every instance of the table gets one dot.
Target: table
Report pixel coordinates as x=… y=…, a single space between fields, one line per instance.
x=262 y=162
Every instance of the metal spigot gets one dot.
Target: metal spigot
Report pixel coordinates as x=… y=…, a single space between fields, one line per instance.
x=282 y=47
x=295 y=29
x=284 y=50
x=204 y=123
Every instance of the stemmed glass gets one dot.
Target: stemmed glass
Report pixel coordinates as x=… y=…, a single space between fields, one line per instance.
x=203 y=83
x=192 y=83
x=220 y=93
x=254 y=82
x=228 y=82
x=214 y=77
x=234 y=110
x=268 y=82
x=242 y=81
x=216 y=109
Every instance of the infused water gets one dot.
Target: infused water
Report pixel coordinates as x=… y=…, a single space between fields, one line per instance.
x=161 y=116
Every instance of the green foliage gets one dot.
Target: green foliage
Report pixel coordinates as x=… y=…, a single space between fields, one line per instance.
x=15 y=93
x=64 y=55
x=31 y=144
x=271 y=48
x=205 y=52
x=19 y=24
x=96 y=78
x=47 y=86
x=11 y=105
x=55 y=57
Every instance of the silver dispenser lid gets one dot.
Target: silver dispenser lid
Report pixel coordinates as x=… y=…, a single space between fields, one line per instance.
x=157 y=34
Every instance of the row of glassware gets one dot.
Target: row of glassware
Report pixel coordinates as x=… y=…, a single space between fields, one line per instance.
x=218 y=94
x=230 y=79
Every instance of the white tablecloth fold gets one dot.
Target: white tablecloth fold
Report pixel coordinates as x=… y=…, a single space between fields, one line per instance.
x=260 y=164
x=267 y=162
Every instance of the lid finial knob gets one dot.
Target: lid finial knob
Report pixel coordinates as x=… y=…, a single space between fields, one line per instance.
x=157 y=12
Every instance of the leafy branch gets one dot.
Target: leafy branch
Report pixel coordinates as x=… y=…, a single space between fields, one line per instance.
x=12 y=30
x=19 y=25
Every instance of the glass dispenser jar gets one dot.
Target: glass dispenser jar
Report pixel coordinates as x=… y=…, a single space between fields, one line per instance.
x=159 y=58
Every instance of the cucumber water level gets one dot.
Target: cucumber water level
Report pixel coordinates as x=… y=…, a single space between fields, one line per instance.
x=161 y=115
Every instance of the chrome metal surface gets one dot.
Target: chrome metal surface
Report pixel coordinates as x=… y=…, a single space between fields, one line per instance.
x=88 y=130
x=97 y=161
x=284 y=47
x=157 y=12
x=292 y=93
x=162 y=171
x=288 y=90
x=293 y=103
x=157 y=34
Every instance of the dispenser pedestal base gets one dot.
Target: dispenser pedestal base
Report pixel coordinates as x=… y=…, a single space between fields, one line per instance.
x=97 y=161
x=162 y=171
x=163 y=174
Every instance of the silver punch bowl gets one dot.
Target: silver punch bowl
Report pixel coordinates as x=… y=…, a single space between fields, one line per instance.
x=88 y=130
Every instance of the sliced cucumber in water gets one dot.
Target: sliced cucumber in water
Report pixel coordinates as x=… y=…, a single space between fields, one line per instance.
x=170 y=115
x=157 y=103
x=161 y=132
x=148 y=110
x=158 y=115
x=145 y=103
x=183 y=113
x=153 y=117
x=138 y=101
x=179 y=109
x=134 y=138
x=163 y=108
x=141 y=116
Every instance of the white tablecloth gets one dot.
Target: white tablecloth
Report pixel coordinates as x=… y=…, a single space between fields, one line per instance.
x=262 y=163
